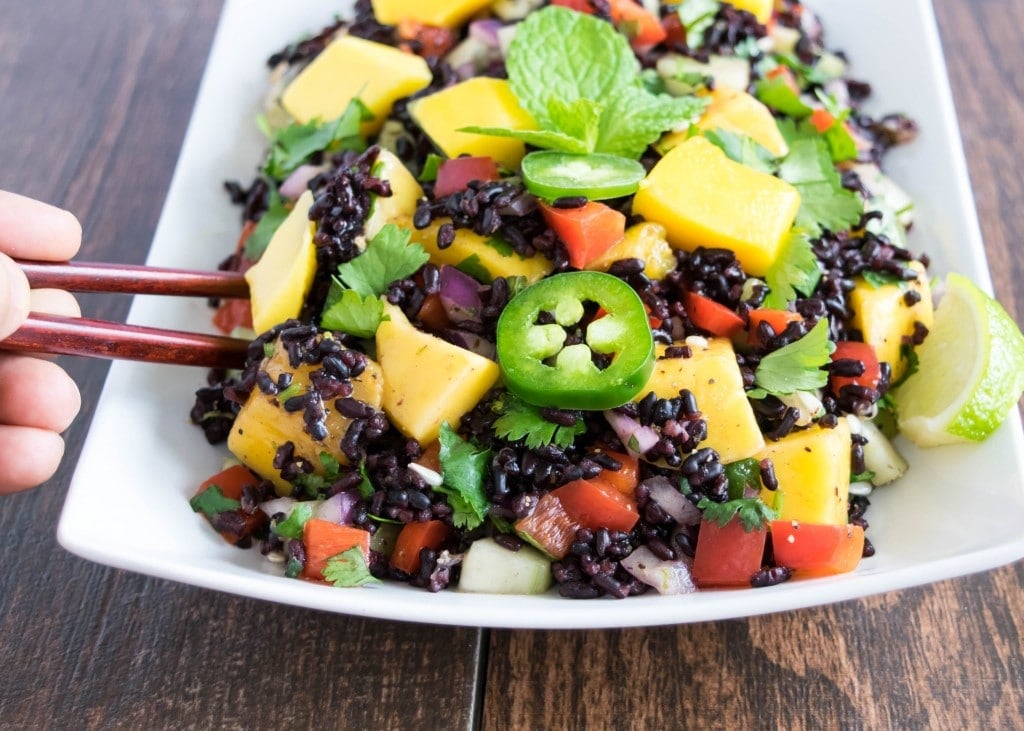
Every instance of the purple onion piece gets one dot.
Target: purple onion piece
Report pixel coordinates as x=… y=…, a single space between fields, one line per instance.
x=470 y=341
x=485 y=31
x=297 y=183
x=460 y=295
x=635 y=437
x=277 y=505
x=672 y=501
x=338 y=508
x=667 y=577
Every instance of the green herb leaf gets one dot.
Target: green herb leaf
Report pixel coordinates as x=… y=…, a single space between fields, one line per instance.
x=291 y=527
x=429 y=172
x=797 y=366
x=463 y=467
x=742 y=149
x=272 y=218
x=349 y=568
x=880 y=279
x=366 y=488
x=697 y=16
x=743 y=475
x=796 y=270
x=865 y=476
x=752 y=512
x=295 y=144
x=780 y=96
x=825 y=203
x=545 y=139
x=349 y=312
x=520 y=420
x=388 y=257
x=212 y=501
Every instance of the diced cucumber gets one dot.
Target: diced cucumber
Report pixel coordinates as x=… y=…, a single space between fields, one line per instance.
x=784 y=38
x=682 y=74
x=880 y=456
x=489 y=568
x=515 y=9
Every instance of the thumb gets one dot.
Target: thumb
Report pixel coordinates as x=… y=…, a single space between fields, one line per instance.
x=14 y=296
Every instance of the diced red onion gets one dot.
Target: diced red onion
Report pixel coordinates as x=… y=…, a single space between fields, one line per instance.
x=667 y=577
x=460 y=295
x=470 y=341
x=338 y=508
x=485 y=31
x=277 y=505
x=636 y=438
x=672 y=501
x=296 y=183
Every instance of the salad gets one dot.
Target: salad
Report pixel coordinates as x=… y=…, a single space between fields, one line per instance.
x=594 y=294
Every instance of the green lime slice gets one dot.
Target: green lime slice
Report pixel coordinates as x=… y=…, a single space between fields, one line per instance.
x=552 y=175
x=970 y=374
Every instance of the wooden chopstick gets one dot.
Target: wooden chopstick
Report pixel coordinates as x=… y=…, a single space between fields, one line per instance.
x=131 y=279
x=101 y=339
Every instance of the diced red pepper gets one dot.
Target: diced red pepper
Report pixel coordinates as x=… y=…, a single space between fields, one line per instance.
x=455 y=175
x=728 y=555
x=627 y=477
x=711 y=316
x=597 y=504
x=813 y=549
x=429 y=41
x=854 y=350
x=323 y=540
x=413 y=538
x=231 y=482
x=637 y=23
x=549 y=527
x=588 y=231
x=432 y=313
x=822 y=120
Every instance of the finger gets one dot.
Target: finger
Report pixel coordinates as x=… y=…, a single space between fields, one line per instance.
x=36 y=393
x=14 y=296
x=55 y=302
x=28 y=457
x=30 y=229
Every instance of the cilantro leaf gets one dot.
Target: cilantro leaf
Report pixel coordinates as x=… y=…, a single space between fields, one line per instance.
x=273 y=217
x=880 y=279
x=520 y=420
x=753 y=513
x=366 y=488
x=291 y=526
x=212 y=501
x=463 y=467
x=742 y=149
x=388 y=257
x=295 y=144
x=697 y=16
x=796 y=270
x=349 y=312
x=797 y=366
x=349 y=568
x=824 y=202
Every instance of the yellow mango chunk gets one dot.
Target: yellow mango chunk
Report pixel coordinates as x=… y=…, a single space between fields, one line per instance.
x=479 y=256
x=884 y=317
x=703 y=198
x=351 y=67
x=760 y=9
x=737 y=111
x=427 y=380
x=813 y=469
x=644 y=241
x=713 y=376
x=444 y=13
x=480 y=101
x=280 y=280
x=401 y=204
x=262 y=425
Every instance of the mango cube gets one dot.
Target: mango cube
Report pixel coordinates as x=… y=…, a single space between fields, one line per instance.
x=480 y=256
x=262 y=424
x=884 y=318
x=400 y=206
x=813 y=470
x=703 y=198
x=427 y=380
x=645 y=241
x=281 y=279
x=444 y=13
x=713 y=376
x=760 y=9
x=351 y=67
x=480 y=101
x=737 y=111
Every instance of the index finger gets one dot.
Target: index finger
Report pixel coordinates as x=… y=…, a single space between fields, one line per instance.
x=31 y=229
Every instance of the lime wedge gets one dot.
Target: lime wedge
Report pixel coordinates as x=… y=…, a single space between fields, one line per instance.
x=971 y=370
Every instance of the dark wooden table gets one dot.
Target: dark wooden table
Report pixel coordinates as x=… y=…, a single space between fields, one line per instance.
x=94 y=100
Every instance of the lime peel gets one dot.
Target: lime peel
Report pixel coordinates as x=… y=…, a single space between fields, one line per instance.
x=971 y=371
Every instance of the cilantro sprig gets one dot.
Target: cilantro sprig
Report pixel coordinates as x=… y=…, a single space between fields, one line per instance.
x=580 y=80
x=753 y=513
x=349 y=568
x=520 y=420
x=796 y=270
x=212 y=501
x=795 y=367
x=463 y=466
x=295 y=144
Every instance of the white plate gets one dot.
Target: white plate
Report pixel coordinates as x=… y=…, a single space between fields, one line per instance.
x=958 y=511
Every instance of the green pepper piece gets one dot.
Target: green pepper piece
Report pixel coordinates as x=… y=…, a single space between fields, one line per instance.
x=540 y=368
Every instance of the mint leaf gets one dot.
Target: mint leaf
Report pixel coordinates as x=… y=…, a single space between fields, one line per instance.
x=544 y=139
x=297 y=143
x=697 y=16
x=796 y=270
x=349 y=312
x=273 y=217
x=742 y=149
x=463 y=467
x=797 y=366
x=635 y=118
x=753 y=513
x=291 y=526
x=824 y=202
x=520 y=420
x=349 y=568
x=388 y=257
x=212 y=501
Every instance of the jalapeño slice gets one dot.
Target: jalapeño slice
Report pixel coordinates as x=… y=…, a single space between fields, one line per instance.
x=552 y=175
x=576 y=340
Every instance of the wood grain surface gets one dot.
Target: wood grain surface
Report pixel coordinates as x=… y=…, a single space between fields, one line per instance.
x=94 y=99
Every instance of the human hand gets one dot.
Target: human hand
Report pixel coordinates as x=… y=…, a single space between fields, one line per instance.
x=38 y=400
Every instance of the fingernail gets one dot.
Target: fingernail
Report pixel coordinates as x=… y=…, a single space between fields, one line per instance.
x=14 y=296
